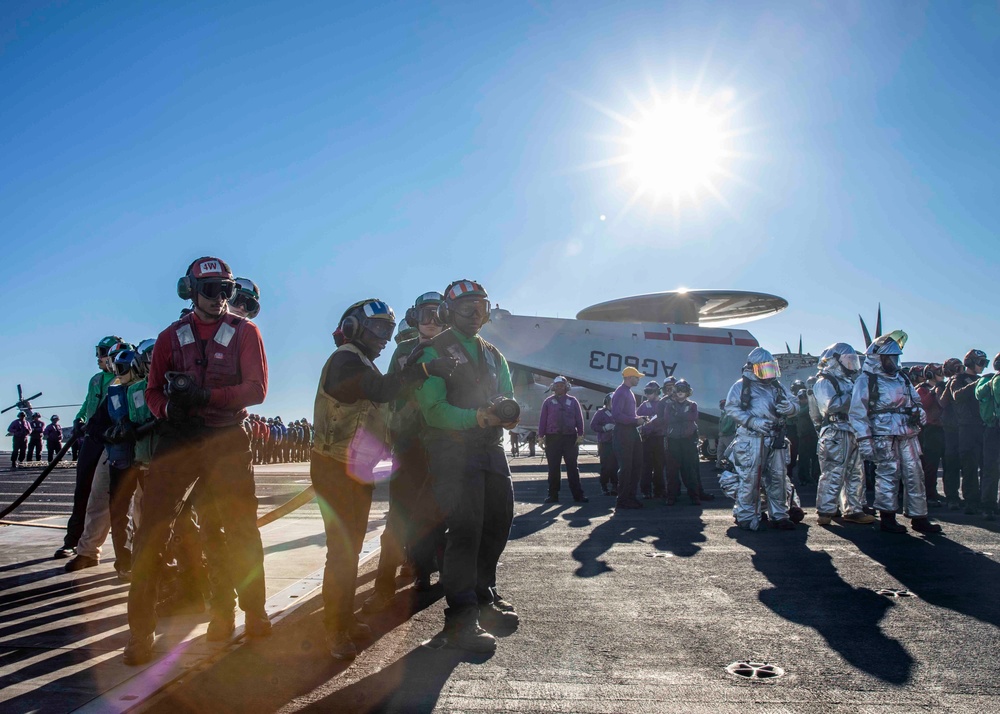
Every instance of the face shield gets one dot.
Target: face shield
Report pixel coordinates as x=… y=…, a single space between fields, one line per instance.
x=765 y=371
x=850 y=362
x=381 y=328
x=890 y=363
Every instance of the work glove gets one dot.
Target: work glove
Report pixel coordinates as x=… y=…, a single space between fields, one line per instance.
x=609 y=427
x=441 y=367
x=866 y=447
x=177 y=414
x=121 y=433
x=194 y=397
x=412 y=358
x=758 y=424
x=785 y=407
x=485 y=417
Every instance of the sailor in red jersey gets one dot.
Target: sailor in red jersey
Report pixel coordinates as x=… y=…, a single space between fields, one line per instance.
x=206 y=369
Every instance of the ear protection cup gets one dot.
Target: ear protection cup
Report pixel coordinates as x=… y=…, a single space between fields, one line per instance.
x=350 y=326
x=410 y=317
x=444 y=313
x=185 y=290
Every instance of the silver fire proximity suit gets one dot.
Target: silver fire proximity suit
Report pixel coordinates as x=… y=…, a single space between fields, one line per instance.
x=890 y=426
x=759 y=407
x=842 y=477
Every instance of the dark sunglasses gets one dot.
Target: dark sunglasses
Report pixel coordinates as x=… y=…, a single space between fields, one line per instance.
x=214 y=288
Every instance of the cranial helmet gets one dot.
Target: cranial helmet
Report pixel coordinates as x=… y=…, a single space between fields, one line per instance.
x=425 y=308
x=372 y=314
x=106 y=344
x=247 y=297
x=204 y=272
x=974 y=358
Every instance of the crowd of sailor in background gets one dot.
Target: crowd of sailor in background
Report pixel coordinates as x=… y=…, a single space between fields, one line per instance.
x=274 y=442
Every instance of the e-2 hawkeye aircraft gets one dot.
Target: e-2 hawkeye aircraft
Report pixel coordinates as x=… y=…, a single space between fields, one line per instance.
x=681 y=334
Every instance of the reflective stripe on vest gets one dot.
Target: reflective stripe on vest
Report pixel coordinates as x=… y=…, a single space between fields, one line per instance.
x=215 y=365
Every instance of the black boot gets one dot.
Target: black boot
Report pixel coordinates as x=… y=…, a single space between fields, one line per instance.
x=462 y=631
x=889 y=524
x=922 y=525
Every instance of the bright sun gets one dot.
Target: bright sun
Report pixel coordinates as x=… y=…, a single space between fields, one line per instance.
x=676 y=150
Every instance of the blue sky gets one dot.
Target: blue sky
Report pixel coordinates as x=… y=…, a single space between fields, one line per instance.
x=336 y=151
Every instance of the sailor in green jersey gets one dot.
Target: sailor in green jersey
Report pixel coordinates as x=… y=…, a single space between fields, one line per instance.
x=90 y=448
x=414 y=528
x=469 y=472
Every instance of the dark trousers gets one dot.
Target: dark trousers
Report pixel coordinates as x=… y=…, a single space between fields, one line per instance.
x=220 y=459
x=932 y=443
x=991 y=467
x=628 y=454
x=952 y=464
x=91 y=451
x=970 y=456
x=609 y=465
x=75 y=448
x=35 y=447
x=808 y=459
x=652 y=482
x=685 y=452
x=414 y=528
x=53 y=446
x=19 y=448
x=473 y=490
x=559 y=448
x=344 y=503
x=123 y=483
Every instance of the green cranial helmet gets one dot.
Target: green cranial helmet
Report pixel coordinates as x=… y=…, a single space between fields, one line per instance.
x=107 y=344
x=405 y=333
x=247 y=297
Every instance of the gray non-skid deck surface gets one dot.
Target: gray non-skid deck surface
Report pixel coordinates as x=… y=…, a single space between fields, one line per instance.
x=642 y=612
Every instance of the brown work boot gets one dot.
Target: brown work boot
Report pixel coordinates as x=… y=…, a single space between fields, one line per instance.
x=139 y=650
x=860 y=518
x=221 y=627
x=257 y=625
x=341 y=646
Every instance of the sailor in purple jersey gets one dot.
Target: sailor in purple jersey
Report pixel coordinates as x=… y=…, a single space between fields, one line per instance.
x=560 y=424
x=651 y=481
x=627 y=444
x=603 y=425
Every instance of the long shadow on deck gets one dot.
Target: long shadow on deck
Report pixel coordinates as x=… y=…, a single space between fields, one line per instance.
x=809 y=591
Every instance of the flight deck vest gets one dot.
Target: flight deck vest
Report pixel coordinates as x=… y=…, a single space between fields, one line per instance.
x=471 y=385
x=139 y=414
x=212 y=365
x=356 y=434
x=121 y=456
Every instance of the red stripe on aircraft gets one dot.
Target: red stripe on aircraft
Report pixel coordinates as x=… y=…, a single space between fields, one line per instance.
x=658 y=336
x=702 y=339
x=744 y=342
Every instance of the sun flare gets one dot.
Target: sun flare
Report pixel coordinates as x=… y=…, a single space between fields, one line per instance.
x=676 y=149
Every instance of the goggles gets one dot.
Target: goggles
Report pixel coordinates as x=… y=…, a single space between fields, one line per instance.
x=428 y=315
x=472 y=307
x=766 y=370
x=102 y=351
x=852 y=363
x=212 y=289
x=381 y=328
x=245 y=302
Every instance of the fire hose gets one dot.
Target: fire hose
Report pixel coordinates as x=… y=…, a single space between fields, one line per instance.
x=292 y=504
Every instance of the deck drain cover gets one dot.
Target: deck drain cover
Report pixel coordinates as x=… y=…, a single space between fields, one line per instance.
x=659 y=555
x=894 y=592
x=755 y=670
